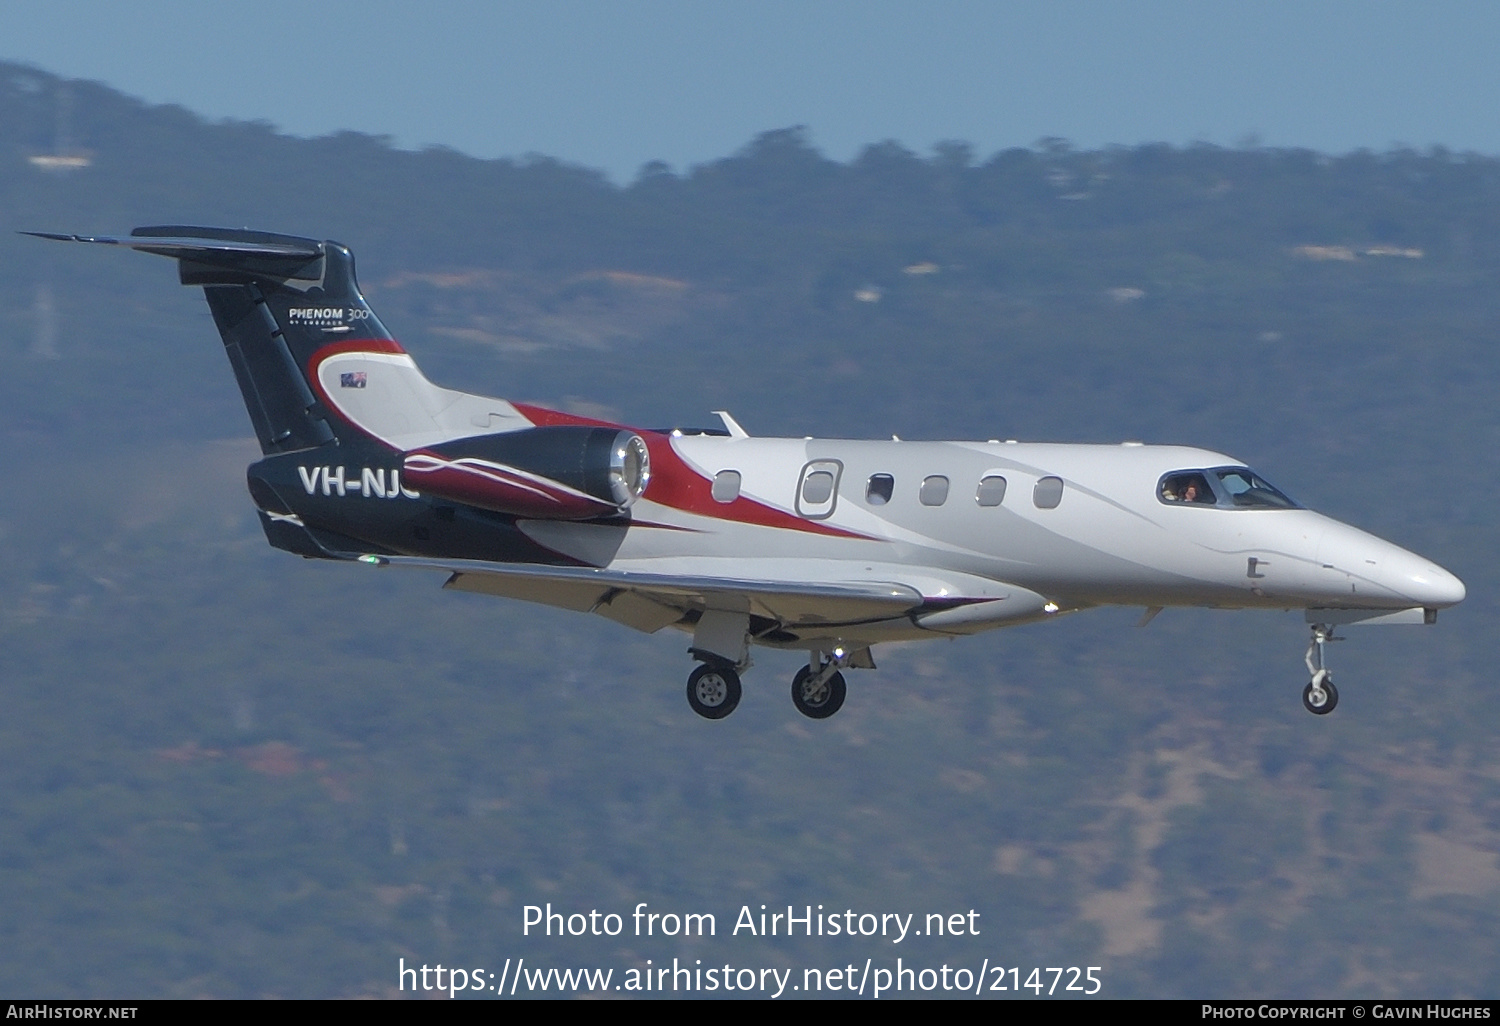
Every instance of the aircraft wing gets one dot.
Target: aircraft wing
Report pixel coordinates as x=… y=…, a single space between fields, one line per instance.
x=649 y=601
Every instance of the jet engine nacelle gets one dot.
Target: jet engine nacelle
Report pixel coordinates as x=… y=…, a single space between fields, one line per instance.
x=544 y=473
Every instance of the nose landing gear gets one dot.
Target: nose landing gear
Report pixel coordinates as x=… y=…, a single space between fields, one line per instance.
x=1320 y=697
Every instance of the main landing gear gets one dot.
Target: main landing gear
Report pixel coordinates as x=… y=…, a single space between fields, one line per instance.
x=819 y=693
x=818 y=689
x=1320 y=697
x=713 y=690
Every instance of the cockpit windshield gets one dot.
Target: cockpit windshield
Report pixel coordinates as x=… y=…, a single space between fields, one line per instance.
x=1225 y=487
x=1247 y=488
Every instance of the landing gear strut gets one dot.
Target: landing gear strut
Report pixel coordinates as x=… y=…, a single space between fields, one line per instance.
x=1320 y=697
x=713 y=690
x=819 y=693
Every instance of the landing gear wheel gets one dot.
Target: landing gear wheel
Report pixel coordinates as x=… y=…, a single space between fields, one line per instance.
x=1320 y=697
x=818 y=701
x=713 y=691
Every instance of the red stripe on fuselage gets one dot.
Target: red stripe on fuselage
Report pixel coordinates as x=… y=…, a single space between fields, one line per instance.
x=675 y=484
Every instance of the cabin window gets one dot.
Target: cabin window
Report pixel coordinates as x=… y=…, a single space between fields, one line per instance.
x=879 y=489
x=817 y=487
x=991 y=491
x=1048 y=493
x=726 y=486
x=934 y=490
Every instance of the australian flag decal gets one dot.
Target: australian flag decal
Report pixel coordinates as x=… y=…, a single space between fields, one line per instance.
x=355 y=379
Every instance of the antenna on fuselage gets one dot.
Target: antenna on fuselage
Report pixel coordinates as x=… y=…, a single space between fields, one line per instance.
x=731 y=425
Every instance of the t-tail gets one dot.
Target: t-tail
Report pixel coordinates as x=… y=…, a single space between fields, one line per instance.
x=279 y=301
x=362 y=453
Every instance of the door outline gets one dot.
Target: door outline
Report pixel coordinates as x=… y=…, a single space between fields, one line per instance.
x=819 y=510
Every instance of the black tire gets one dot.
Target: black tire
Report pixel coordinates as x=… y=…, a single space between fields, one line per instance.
x=713 y=691
x=1330 y=702
x=821 y=702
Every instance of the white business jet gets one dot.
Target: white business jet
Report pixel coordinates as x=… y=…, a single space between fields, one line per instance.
x=823 y=546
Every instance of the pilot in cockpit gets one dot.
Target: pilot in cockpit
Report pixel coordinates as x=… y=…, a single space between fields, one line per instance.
x=1191 y=488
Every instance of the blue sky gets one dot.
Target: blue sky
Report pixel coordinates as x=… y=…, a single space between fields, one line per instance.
x=615 y=84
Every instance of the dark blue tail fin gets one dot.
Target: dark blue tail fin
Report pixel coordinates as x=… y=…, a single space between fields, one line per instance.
x=276 y=300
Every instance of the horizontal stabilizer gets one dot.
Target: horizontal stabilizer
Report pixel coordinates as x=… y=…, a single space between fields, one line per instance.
x=247 y=252
x=180 y=247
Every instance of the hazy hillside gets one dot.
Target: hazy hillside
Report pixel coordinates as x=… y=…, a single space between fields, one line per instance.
x=231 y=772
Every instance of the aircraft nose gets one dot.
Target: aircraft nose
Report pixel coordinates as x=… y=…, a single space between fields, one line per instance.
x=1430 y=585
x=1389 y=569
x=1416 y=579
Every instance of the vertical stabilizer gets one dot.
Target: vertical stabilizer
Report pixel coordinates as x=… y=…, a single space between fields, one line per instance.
x=277 y=300
x=274 y=311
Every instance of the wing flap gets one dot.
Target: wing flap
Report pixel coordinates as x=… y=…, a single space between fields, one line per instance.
x=579 y=596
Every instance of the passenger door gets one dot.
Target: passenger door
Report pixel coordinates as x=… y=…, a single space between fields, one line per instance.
x=818 y=489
